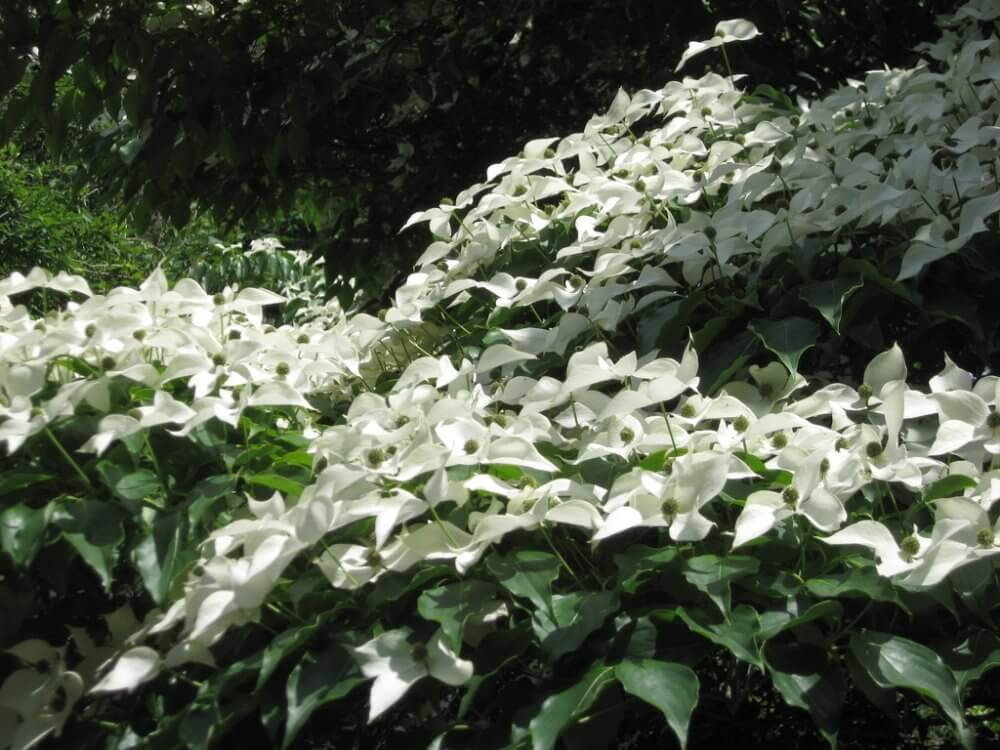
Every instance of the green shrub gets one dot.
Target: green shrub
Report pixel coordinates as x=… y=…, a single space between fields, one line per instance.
x=633 y=451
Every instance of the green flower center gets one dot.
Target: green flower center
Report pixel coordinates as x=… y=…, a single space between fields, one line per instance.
x=993 y=421
x=282 y=369
x=985 y=538
x=419 y=652
x=909 y=547
x=139 y=335
x=790 y=496
x=873 y=449
x=824 y=467
x=303 y=338
x=471 y=446
x=218 y=300
x=219 y=359
x=670 y=508
x=108 y=363
x=864 y=392
x=375 y=457
x=741 y=423
x=841 y=444
x=779 y=440
x=627 y=435
x=688 y=411
x=90 y=330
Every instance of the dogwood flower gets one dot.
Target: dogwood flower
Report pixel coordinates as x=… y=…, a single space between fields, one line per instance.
x=397 y=662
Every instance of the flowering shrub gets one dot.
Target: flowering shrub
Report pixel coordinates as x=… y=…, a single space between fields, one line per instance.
x=610 y=454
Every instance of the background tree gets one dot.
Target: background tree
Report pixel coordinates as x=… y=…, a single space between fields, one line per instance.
x=330 y=122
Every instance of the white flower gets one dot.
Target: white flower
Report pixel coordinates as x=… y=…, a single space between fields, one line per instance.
x=397 y=663
x=735 y=30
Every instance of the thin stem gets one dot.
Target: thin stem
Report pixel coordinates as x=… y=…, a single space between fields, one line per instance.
x=68 y=457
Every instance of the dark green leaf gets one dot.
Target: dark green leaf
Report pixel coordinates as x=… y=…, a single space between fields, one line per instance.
x=573 y=617
x=949 y=486
x=452 y=605
x=738 y=633
x=528 y=574
x=316 y=681
x=561 y=709
x=896 y=662
x=827 y=297
x=162 y=555
x=787 y=338
x=712 y=574
x=22 y=530
x=807 y=678
x=672 y=688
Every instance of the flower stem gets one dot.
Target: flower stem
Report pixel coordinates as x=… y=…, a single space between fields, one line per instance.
x=69 y=459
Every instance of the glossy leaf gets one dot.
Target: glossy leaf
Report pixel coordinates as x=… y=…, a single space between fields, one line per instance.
x=672 y=688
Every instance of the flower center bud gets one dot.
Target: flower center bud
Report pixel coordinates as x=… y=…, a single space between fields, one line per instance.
x=993 y=421
x=790 y=496
x=824 y=467
x=627 y=435
x=218 y=300
x=419 y=652
x=741 y=423
x=909 y=547
x=864 y=392
x=873 y=449
x=471 y=446
x=670 y=508
x=985 y=537
x=219 y=359
x=90 y=330
x=282 y=369
x=375 y=457
x=688 y=411
x=779 y=440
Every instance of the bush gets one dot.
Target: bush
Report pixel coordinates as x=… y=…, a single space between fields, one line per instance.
x=633 y=451
x=42 y=224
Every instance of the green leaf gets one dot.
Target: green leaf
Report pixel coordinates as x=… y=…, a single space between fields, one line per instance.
x=452 y=605
x=858 y=582
x=560 y=710
x=738 y=632
x=127 y=484
x=787 y=338
x=972 y=656
x=95 y=530
x=774 y=622
x=18 y=480
x=528 y=574
x=22 y=530
x=276 y=482
x=712 y=575
x=949 y=486
x=162 y=555
x=827 y=297
x=721 y=362
x=284 y=644
x=316 y=681
x=672 y=688
x=573 y=617
x=807 y=678
x=895 y=662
